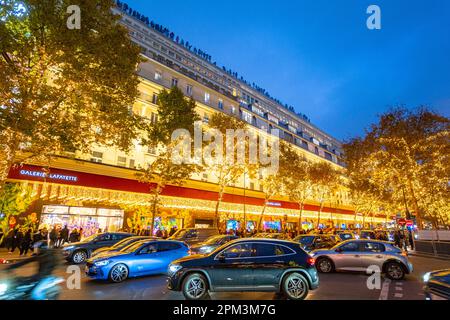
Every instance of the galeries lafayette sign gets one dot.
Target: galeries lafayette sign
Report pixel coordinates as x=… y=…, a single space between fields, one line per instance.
x=50 y=176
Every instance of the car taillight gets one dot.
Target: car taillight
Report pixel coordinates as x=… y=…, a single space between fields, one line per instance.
x=311 y=261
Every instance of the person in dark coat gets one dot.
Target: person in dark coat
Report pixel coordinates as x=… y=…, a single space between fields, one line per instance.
x=397 y=239
x=411 y=239
x=74 y=236
x=53 y=237
x=25 y=243
x=64 y=235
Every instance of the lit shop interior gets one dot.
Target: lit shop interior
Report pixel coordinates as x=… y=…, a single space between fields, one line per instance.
x=92 y=209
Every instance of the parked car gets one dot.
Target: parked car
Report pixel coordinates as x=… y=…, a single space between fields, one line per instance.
x=120 y=245
x=139 y=259
x=79 y=252
x=194 y=235
x=246 y=265
x=311 y=242
x=267 y=235
x=344 y=236
x=358 y=255
x=212 y=243
x=437 y=285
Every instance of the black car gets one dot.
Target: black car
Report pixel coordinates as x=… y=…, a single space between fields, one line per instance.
x=212 y=243
x=252 y=265
x=311 y=242
x=437 y=285
x=192 y=236
x=79 y=252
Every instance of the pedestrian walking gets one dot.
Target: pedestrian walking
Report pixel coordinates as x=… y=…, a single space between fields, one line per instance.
x=411 y=239
x=74 y=236
x=25 y=243
x=397 y=239
x=53 y=237
x=64 y=236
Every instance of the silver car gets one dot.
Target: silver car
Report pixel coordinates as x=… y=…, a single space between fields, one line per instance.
x=359 y=255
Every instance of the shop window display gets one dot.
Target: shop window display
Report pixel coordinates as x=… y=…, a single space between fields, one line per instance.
x=88 y=219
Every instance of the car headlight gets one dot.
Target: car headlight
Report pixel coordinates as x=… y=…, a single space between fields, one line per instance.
x=173 y=268
x=426 y=277
x=101 y=263
x=69 y=248
x=3 y=288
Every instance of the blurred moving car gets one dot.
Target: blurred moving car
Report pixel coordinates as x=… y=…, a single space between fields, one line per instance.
x=359 y=255
x=139 y=259
x=194 y=235
x=246 y=265
x=79 y=252
x=437 y=285
x=311 y=242
x=211 y=244
x=267 y=235
x=121 y=244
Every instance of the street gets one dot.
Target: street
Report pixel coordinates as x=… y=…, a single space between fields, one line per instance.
x=337 y=286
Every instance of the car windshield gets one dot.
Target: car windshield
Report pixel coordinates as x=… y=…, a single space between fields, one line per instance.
x=90 y=238
x=305 y=239
x=132 y=247
x=179 y=234
x=123 y=243
x=213 y=240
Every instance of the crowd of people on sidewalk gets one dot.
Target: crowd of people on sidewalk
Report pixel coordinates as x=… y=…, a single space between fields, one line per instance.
x=23 y=238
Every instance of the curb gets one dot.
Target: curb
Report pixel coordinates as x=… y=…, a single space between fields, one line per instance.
x=425 y=255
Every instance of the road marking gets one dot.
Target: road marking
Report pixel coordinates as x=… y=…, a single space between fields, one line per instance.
x=398 y=295
x=399 y=288
x=385 y=290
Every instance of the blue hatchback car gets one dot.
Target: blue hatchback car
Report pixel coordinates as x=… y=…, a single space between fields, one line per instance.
x=139 y=259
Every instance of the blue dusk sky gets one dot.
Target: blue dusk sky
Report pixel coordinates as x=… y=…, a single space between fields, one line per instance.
x=319 y=56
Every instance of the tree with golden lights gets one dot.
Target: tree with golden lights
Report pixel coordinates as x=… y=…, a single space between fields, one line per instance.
x=326 y=181
x=64 y=89
x=227 y=173
x=407 y=155
x=175 y=112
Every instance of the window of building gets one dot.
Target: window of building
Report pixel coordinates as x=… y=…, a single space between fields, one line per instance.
x=189 y=90
x=158 y=75
x=233 y=109
x=220 y=105
x=155 y=98
x=122 y=161
x=97 y=156
x=247 y=116
x=252 y=185
x=207 y=97
x=132 y=164
x=174 y=82
x=206 y=118
x=153 y=118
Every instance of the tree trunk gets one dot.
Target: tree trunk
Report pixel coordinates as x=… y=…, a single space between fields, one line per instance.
x=8 y=152
x=320 y=212
x=216 y=211
x=415 y=205
x=261 y=217
x=155 y=208
x=300 y=217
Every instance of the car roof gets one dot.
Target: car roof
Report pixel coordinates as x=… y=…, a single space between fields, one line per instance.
x=263 y=240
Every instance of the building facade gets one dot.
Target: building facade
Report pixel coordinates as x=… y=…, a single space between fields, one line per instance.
x=100 y=189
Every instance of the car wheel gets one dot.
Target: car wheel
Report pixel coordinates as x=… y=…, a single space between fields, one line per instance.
x=295 y=286
x=195 y=287
x=394 y=271
x=324 y=265
x=118 y=273
x=79 y=256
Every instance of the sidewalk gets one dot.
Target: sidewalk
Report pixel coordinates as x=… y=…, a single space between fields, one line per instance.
x=427 y=255
x=12 y=257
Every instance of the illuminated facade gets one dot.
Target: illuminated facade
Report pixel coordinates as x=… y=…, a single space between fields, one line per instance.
x=100 y=189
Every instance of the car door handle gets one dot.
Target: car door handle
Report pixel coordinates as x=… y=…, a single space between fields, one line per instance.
x=379 y=256
x=357 y=256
